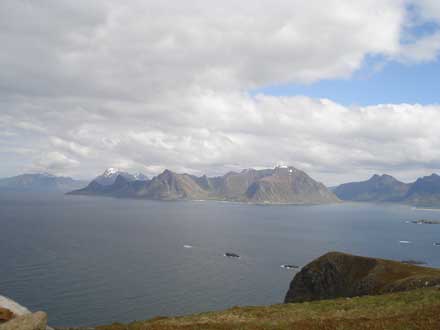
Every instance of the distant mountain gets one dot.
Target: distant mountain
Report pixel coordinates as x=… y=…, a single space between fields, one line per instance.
x=113 y=182
x=424 y=192
x=379 y=188
x=279 y=185
x=39 y=182
x=109 y=176
x=289 y=185
x=233 y=185
x=172 y=186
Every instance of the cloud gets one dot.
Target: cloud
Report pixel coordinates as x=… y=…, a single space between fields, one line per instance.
x=146 y=85
x=144 y=48
x=54 y=161
x=228 y=131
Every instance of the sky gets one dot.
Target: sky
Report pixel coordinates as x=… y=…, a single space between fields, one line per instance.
x=341 y=89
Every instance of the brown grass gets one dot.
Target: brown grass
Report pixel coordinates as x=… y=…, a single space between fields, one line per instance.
x=411 y=310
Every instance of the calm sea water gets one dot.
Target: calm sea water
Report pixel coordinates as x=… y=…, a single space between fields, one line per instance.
x=89 y=260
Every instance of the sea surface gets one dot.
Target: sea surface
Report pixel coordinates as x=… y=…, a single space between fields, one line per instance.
x=90 y=260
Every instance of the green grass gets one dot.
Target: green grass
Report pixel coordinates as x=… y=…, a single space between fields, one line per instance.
x=411 y=310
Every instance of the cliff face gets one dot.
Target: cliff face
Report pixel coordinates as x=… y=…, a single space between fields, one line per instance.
x=337 y=274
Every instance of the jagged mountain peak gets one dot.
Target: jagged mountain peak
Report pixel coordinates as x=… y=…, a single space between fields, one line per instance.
x=279 y=185
x=108 y=177
x=110 y=172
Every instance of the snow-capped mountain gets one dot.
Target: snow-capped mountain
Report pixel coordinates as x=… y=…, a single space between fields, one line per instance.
x=109 y=176
x=282 y=185
x=140 y=177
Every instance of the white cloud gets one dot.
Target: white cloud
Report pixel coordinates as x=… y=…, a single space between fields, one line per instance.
x=54 y=162
x=144 y=48
x=145 y=85
x=225 y=131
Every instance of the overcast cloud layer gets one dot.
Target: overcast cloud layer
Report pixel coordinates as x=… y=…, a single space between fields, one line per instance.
x=148 y=85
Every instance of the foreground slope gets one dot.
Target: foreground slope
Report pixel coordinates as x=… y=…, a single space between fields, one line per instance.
x=357 y=293
x=411 y=310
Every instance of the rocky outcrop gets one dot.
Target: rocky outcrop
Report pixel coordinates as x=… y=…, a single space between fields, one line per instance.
x=338 y=274
x=5 y=315
x=14 y=307
x=33 y=321
x=13 y=316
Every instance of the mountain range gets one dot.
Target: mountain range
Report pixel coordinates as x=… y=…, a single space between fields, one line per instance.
x=425 y=191
x=110 y=175
x=281 y=185
x=39 y=182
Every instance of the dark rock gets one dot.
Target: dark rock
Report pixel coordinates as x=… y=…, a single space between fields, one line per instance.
x=231 y=255
x=289 y=266
x=338 y=274
x=426 y=222
x=5 y=314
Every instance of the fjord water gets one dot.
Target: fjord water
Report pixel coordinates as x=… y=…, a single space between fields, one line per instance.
x=88 y=260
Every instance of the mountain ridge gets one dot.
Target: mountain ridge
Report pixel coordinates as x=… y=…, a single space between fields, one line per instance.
x=424 y=192
x=282 y=185
x=378 y=188
x=39 y=182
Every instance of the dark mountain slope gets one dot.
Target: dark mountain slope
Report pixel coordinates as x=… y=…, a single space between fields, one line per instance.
x=424 y=192
x=379 y=188
x=338 y=274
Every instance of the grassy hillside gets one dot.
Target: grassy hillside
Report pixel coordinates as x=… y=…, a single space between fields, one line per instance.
x=337 y=274
x=410 y=310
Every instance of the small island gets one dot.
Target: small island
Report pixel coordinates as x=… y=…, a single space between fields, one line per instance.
x=231 y=255
x=413 y=262
x=289 y=266
x=426 y=222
